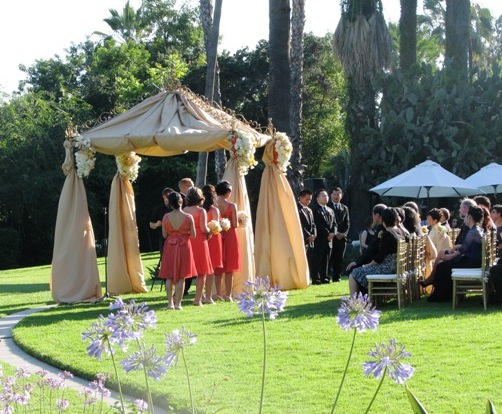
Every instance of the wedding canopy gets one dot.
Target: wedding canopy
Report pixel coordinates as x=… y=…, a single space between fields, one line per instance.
x=168 y=123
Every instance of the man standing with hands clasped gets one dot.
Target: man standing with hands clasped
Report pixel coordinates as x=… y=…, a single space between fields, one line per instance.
x=342 y=229
x=307 y=223
x=324 y=219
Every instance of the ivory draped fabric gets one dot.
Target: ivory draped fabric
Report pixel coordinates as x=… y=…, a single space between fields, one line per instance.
x=279 y=249
x=240 y=197
x=74 y=273
x=124 y=266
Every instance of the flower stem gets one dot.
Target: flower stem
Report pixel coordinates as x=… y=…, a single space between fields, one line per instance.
x=376 y=392
x=344 y=372
x=148 y=391
x=117 y=377
x=264 y=356
x=188 y=380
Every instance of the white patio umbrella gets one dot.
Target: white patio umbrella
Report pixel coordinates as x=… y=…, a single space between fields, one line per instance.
x=426 y=180
x=488 y=179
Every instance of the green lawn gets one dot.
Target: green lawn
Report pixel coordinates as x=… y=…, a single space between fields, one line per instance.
x=457 y=354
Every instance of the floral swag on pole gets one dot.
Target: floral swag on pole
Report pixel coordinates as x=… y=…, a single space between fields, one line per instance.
x=128 y=165
x=85 y=157
x=242 y=148
x=282 y=151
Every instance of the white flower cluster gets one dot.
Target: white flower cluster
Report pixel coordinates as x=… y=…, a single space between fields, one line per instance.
x=128 y=165
x=282 y=151
x=85 y=157
x=242 y=147
x=242 y=218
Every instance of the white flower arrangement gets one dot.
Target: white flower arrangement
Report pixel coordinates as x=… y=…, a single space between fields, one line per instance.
x=225 y=224
x=282 y=151
x=242 y=218
x=128 y=165
x=85 y=157
x=214 y=226
x=242 y=147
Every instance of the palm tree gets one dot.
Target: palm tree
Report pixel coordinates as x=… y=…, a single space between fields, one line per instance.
x=129 y=25
x=362 y=43
x=457 y=21
x=295 y=174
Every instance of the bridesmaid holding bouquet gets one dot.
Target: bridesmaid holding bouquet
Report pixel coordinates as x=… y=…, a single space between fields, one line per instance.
x=199 y=243
x=231 y=249
x=177 y=258
x=215 y=241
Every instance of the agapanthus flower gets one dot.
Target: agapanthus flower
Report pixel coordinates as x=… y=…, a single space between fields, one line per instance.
x=388 y=358
x=147 y=359
x=175 y=342
x=55 y=383
x=62 y=404
x=100 y=336
x=357 y=313
x=22 y=372
x=141 y=405
x=130 y=321
x=259 y=297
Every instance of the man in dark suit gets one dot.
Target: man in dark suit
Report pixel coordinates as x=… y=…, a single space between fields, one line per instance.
x=342 y=229
x=374 y=246
x=324 y=219
x=307 y=223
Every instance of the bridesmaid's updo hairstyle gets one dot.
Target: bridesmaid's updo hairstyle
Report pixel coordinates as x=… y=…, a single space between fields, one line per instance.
x=174 y=200
x=477 y=214
x=435 y=214
x=223 y=187
x=209 y=194
x=194 y=197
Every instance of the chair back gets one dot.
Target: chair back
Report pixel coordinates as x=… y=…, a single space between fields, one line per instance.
x=402 y=265
x=493 y=248
x=453 y=234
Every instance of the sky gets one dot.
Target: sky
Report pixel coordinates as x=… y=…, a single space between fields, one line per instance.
x=35 y=29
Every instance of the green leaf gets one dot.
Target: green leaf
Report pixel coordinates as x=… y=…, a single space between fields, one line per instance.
x=416 y=405
x=410 y=113
x=490 y=408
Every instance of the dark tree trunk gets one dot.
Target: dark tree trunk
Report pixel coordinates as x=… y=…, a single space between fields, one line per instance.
x=279 y=71
x=295 y=174
x=457 y=23
x=408 y=34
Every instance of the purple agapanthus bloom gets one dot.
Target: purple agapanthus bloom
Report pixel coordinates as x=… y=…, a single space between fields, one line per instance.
x=22 y=372
x=388 y=357
x=357 y=313
x=62 y=404
x=175 y=342
x=141 y=405
x=130 y=320
x=100 y=336
x=259 y=297
x=147 y=359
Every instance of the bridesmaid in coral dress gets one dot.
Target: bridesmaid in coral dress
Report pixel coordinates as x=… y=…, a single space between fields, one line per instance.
x=214 y=242
x=200 y=247
x=177 y=258
x=231 y=249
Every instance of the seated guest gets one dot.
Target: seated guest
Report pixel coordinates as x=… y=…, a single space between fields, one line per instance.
x=367 y=235
x=445 y=216
x=412 y=205
x=400 y=219
x=438 y=233
x=384 y=261
x=485 y=203
x=468 y=255
x=373 y=246
x=412 y=221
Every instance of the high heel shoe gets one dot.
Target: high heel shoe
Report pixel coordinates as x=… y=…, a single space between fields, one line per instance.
x=227 y=298
x=179 y=307
x=197 y=303
x=423 y=284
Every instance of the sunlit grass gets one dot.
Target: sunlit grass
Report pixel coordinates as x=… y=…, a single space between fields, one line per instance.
x=457 y=354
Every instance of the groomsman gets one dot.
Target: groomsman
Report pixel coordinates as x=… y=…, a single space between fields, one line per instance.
x=307 y=223
x=324 y=219
x=342 y=229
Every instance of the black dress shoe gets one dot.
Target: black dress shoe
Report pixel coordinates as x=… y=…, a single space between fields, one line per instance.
x=325 y=281
x=316 y=282
x=335 y=280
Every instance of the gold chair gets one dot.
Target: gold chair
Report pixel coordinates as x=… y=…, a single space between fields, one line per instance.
x=417 y=265
x=475 y=280
x=394 y=284
x=453 y=234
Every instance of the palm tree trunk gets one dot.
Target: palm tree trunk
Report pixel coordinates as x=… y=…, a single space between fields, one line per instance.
x=408 y=34
x=457 y=23
x=211 y=27
x=295 y=174
x=279 y=70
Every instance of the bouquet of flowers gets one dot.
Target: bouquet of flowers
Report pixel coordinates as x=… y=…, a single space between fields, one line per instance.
x=242 y=147
x=425 y=230
x=282 y=151
x=214 y=226
x=128 y=165
x=85 y=157
x=225 y=224
x=242 y=218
